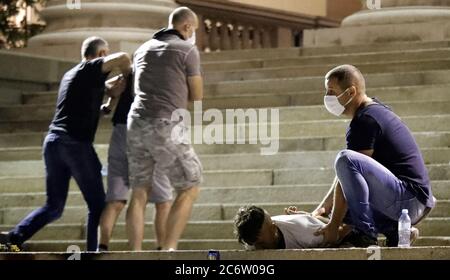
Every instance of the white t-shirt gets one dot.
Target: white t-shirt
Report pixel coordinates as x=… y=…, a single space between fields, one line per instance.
x=298 y=230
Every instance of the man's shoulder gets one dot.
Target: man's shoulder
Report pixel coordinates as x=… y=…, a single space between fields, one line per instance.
x=373 y=111
x=181 y=46
x=73 y=72
x=177 y=46
x=86 y=66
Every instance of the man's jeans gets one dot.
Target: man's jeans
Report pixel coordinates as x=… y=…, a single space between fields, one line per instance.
x=65 y=157
x=375 y=197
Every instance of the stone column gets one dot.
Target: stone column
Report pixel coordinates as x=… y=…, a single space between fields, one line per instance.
x=396 y=21
x=124 y=24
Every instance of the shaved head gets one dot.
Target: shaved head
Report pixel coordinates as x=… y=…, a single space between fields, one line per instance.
x=346 y=76
x=91 y=47
x=181 y=16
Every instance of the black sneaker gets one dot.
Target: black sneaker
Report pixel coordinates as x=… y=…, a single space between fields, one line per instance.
x=358 y=239
x=4 y=238
x=5 y=243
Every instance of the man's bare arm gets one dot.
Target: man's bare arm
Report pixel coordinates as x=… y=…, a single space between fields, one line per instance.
x=326 y=205
x=195 y=85
x=115 y=86
x=119 y=61
x=339 y=209
x=110 y=105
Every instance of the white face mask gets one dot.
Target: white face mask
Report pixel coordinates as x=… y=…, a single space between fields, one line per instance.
x=332 y=104
x=192 y=39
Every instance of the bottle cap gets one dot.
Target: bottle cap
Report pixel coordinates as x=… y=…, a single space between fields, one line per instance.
x=404 y=211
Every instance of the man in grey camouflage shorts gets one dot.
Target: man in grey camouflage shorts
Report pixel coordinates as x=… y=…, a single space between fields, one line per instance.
x=167 y=75
x=118 y=192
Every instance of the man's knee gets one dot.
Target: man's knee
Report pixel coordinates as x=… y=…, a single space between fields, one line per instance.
x=139 y=195
x=116 y=206
x=163 y=206
x=343 y=160
x=55 y=211
x=191 y=193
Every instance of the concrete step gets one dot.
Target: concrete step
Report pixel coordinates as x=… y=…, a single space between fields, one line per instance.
x=201 y=212
x=365 y=57
x=413 y=253
x=337 y=58
x=194 y=230
x=78 y=214
x=425 y=140
x=306 y=129
x=318 y=70
x=333 y=143
x=310 y=159
x=232 y=244
x=39 y=97
x=13 y=115
x=296 y=98
x=312 y=176
x=307 y=186
x=16 y=86
x=402 y=108
x=199 y=230
x=122 y=245
x=35 y=118
x=314 y=51
x=335 y=127
x=293 y=159
x=319 y=128
x=374 y=48
x=317 y=83
x=250 y=54
x=279 y=98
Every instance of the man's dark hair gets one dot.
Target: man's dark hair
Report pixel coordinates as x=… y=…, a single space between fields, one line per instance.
x=346 y=76
x=248 y=223
x=90 y=46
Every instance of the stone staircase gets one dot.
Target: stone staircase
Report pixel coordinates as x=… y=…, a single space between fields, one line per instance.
x=413 y=78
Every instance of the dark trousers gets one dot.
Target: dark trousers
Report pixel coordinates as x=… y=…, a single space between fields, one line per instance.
x=66 y=157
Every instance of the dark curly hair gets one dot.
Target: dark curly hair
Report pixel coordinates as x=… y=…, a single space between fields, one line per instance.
x=248 y=223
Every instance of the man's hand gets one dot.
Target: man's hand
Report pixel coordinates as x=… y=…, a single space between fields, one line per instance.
x=116 y=86
x=292 y=210
x=330 y=234
x=318 y=212
x=105 y=109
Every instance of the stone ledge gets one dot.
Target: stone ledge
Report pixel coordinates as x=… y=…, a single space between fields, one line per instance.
x=372 y=34
x=413 y=253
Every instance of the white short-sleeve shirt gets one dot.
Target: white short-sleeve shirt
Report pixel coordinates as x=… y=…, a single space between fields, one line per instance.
x=298 y=230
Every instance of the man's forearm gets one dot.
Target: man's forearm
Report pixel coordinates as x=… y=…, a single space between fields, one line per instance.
x=327 y=202
x=110 y=104
x=113 y=88
x=339 y=207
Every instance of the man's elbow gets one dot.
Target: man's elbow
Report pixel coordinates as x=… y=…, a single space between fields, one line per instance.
x=113 y=93
x=125 y=63
x=196 y=97
x=125 y=58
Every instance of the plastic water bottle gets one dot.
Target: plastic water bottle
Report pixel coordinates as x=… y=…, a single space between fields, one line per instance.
x=404 y=229
x=104 y=171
